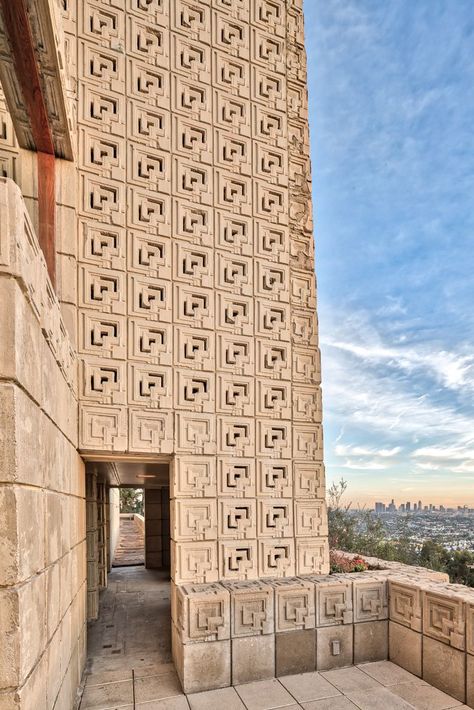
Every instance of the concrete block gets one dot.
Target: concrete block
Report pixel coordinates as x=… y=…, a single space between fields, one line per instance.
x=20 y=430
x=444 y=618
x=56 y=527
x=370 y=641
x=253 y=658
x=333 y=602
x=8 y=537
x=31 y=622
x=294 y=604
x=33 y=693
x=334 y=647
x=295 y=652
x=370 y=599
x=9 y=633
x=444 y=667
x=53 y=604
x=154 y=560
x=404 y=648
x=202 y=666
x=54 y=675
x=21 y=351
x=405 y=604
x=21 y=547
x=203 y=612
x=470 y=681
x=252 y=608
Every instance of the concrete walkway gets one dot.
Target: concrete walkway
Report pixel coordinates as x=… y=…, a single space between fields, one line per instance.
x=131 y=545
x=130 y=666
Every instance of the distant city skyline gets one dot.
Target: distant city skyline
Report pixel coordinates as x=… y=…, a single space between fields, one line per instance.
x=416 y=507
x=393 y=166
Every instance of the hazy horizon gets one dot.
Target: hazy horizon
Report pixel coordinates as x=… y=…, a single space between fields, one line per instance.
x=391 y=89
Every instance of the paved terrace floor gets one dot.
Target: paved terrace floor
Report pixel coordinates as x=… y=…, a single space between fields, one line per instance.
x=130 y=667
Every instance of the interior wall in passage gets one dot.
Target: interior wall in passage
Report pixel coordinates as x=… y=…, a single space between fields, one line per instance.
x=114 y=522
x=157 y=528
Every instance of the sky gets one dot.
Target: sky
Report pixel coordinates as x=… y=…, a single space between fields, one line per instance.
x=391 y=92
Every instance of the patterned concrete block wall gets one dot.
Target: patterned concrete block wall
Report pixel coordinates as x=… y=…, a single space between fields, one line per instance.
x=42 y=506
x=185 y=263
x=197 y=328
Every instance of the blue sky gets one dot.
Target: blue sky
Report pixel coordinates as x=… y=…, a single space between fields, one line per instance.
x=391 y=90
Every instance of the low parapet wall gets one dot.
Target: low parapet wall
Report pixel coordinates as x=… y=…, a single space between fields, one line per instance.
x=235 y=632
x=139 y=522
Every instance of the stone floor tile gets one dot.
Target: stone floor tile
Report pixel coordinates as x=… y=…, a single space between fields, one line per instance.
x=338 y=703
x=108 y=676
x=107 y=695
x=350 y=680
x=424 y=697
x=388 y=673
x=157 y=687
x=154 y=669
x=216 y=700
x=377 y=698
x=308 y=686
x=177 y=703
x=265 y=695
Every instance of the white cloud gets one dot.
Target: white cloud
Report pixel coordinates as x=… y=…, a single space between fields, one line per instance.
x=397 y=403
x=349 y=450
x=445 y=453
x=364 y=464
x=451 y=370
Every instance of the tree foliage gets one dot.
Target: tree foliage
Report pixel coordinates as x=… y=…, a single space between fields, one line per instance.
x=363 y=532
x=131 y=500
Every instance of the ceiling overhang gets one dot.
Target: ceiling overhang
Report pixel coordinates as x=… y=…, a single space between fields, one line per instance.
x=33 y=76
x=129 y=472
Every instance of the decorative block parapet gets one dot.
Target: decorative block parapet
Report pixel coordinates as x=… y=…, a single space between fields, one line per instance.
x=347 y=614
x=21 y=257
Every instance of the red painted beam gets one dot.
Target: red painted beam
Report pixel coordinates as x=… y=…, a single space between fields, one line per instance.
x=47 y=211
x=20 y=39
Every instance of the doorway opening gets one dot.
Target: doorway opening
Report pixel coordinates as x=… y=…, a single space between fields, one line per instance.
x=144 y=528
x=130 y=547
x=129 y=608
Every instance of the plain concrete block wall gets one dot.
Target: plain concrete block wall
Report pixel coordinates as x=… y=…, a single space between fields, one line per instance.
x=42 y=492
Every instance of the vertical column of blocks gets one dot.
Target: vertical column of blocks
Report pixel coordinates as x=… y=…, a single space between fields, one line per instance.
x=193 y=491
x=102 y=534
x=102 y=282
x=310 y=517
x=92 y=547
x=149 y=228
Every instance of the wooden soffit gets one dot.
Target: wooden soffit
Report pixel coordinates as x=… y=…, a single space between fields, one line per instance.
x=33 y=76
